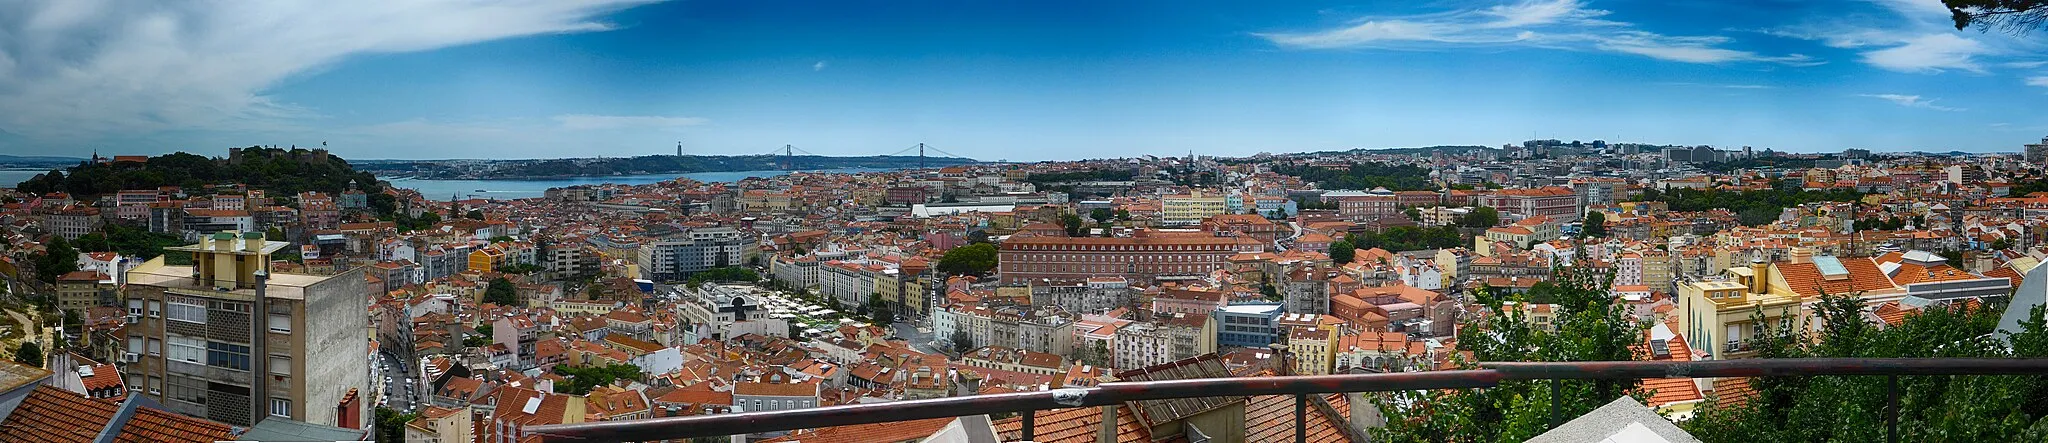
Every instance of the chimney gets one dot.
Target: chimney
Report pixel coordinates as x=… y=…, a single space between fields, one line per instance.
x=1759 y=275
x=1802 y=255
x=259 y=348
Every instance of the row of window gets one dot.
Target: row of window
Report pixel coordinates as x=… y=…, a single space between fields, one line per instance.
x=193 y=310
x=1145 y=248
x=1099 y=258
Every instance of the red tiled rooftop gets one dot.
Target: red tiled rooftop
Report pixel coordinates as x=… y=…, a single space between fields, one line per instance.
x=53 y=415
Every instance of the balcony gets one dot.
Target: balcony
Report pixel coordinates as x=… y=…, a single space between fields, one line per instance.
x=1111 y=395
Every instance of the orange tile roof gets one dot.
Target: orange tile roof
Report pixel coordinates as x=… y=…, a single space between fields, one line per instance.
x=1733 y=391
x=1271 y=418
x=1073 y=425
x=885 y=432
x=53 y=415
x=1805 y=278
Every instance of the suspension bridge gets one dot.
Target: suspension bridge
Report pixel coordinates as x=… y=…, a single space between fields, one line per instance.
x=789 y=152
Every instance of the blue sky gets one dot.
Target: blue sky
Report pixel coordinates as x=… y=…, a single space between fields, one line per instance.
x=1003 y=80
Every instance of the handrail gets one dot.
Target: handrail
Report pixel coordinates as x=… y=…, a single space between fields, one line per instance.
x=1113 y=393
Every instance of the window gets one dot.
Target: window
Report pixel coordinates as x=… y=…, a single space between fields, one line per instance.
x=156 y=347
x=156 y=385
x=281 y=323
x=187 y=309
x=135 y=307
x=134 y=343
x=280 y=407
x=187 y=390
x=224 y=355
x=187 y=349
x=156 y=309
x=280 y=365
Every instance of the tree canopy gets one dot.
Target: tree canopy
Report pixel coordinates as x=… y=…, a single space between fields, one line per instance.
x=1073 y=225
x=1365 y=175
x=501 y=293
x=724 y=274
x=583 y=378
x=1595 y=224
x=1342 y=252
x=132 y=241
x=1751 y=207
x=1481 y=217
x=974 y=259
x=1409 y=238
x=1932 y=408
x=2014 y=16
x=1589 y=326
x=281 y=171
x=30 y=354
x=58 y=258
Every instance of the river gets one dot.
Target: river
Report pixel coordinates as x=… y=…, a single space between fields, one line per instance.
x=511 y=189
x=13 y=177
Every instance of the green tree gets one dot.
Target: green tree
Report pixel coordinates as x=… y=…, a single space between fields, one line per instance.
x=962 y=341
x=1595 y=224
x=1101 y=215
x=1413 y=213
x=474 y=214
x=974 y=259
x=2013 y=16
x=584 y=378
x=724 y=274
x=1342 y=252
x=1936 y=408
x=1072 y=223
x=391 y=425
x=58 y=258
x=501 y=292
x=1589 y=325
x=1481 y=217
x=879 y=311
x=30 y=354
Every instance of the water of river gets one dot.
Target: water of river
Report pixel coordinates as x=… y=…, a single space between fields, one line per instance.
x=11 y=177
x=511 y=189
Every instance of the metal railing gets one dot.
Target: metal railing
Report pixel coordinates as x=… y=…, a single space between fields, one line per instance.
x=1489 y=375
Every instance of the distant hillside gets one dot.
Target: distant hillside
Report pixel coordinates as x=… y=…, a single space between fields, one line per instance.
x=651 y=164
x=34 y=161
x=279 y=171
x=1447 y=149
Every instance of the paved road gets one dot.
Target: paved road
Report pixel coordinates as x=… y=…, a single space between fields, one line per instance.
x=920 y=338
x=401 y=395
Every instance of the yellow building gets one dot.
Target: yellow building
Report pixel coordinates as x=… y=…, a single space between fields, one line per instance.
x=486 y=259
x=1719 y=316
x=1190 y=208
x=1311 y=349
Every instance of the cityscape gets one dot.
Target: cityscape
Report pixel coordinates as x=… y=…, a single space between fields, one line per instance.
x=168 y=278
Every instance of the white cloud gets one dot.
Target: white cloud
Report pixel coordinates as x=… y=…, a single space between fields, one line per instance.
x=79 y=68
x=819 y=66
x=1915 y=36
x=1910 y=101
x=2038 y=80
x=2024 y=65
x=1688 y=49
x=1929 y=53
x=1553 y=24
x=1540 y=12
x=586 y=121
x=1719 y=85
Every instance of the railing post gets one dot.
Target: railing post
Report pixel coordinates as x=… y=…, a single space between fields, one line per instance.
x=1030 y=421
x=1556 y=402
x=1891 y=409
x=1300 y=418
